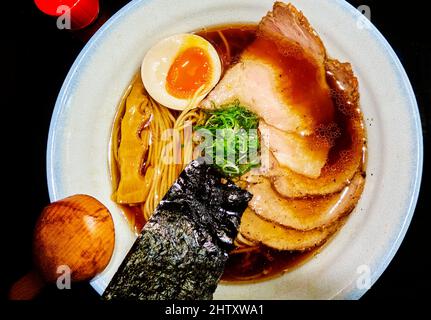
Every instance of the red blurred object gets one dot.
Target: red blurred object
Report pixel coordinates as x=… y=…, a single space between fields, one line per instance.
x=82 y=12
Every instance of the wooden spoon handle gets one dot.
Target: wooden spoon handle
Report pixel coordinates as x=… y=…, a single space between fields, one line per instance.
x=27 y=287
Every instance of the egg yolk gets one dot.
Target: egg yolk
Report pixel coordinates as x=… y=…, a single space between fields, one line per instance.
x=190 y=70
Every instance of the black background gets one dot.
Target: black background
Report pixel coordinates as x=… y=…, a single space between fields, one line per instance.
x=38 y=60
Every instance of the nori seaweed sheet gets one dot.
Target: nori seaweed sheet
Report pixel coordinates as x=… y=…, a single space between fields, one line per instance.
x=182 y=250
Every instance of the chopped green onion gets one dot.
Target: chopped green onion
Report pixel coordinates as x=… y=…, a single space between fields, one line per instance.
x=233 y=129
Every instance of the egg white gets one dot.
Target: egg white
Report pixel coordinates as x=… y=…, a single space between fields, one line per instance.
x=158 y=60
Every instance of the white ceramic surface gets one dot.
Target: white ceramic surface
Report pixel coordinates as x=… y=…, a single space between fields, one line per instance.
x=78 y=145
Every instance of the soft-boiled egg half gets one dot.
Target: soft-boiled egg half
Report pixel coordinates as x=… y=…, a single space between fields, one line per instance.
x=181 y=70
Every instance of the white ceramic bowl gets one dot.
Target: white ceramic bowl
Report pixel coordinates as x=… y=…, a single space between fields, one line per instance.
x=78 y=145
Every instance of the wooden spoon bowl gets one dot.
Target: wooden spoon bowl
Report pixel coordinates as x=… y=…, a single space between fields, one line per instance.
x=76 y=234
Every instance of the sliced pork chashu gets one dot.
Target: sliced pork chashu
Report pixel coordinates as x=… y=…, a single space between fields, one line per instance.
x=281 y=75
x=305 y=155
x=274 y=236
x=305 y=213
x=292 y=25
x=346 y=157
x=285 y=78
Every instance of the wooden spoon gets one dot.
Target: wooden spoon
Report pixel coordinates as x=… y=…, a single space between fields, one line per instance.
x=75 y=233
